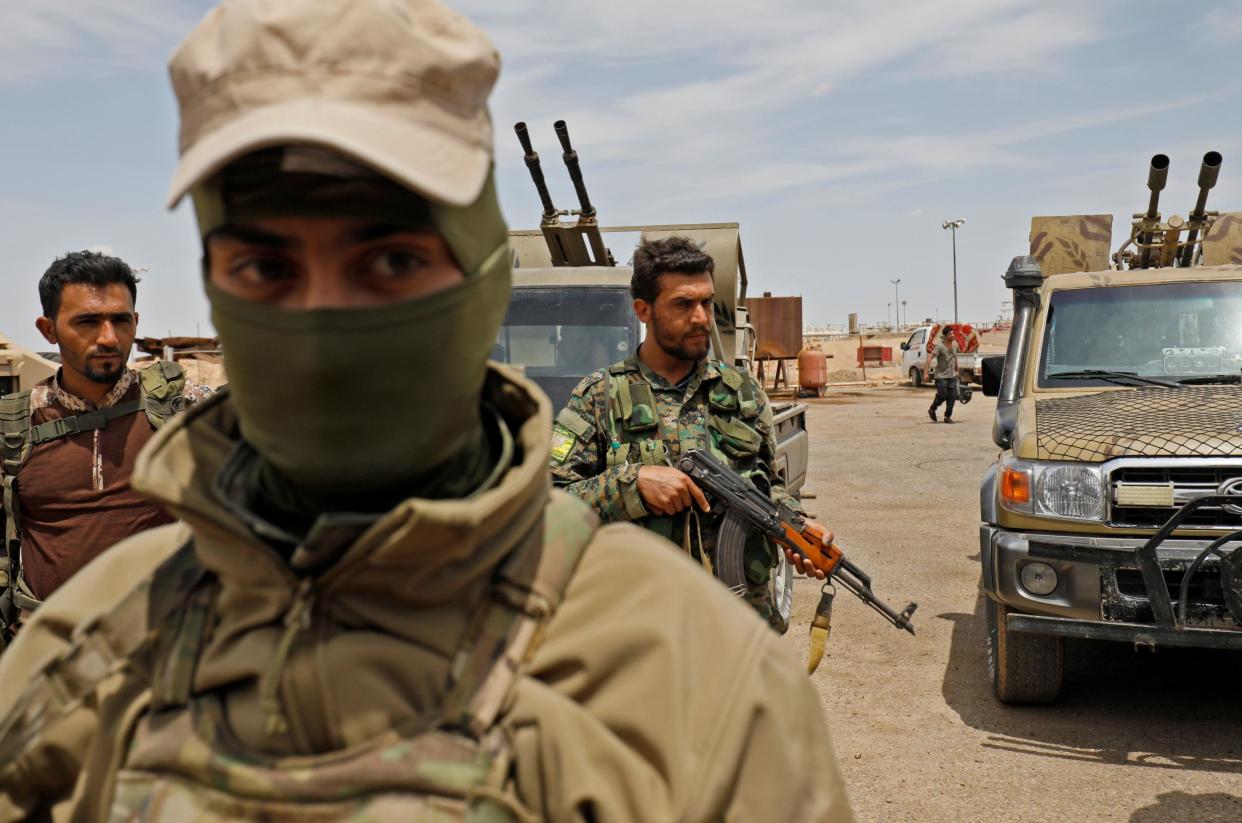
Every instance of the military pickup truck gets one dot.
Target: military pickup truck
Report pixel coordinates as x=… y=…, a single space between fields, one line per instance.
x=1115 y=507
x=21 y=369
x=571 y=312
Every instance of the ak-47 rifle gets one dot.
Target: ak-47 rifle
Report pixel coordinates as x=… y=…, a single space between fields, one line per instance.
x=748 y=509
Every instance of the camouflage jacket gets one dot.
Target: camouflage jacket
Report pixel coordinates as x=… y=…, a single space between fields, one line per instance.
x=690 y=417
x=686 y=709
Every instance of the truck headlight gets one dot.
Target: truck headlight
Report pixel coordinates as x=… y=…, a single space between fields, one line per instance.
x=1046 y=489
x=1071 y=491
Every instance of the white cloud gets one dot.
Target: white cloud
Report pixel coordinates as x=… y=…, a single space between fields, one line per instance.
x=1223 y=23
x=714 y=135
x=43 y=37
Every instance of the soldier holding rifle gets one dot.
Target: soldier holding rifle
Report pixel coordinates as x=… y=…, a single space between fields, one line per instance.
x=614 y=444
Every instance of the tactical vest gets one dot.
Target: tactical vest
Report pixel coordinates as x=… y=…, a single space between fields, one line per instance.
x=160 y=396
x=182 y=764
x=633 y=427
x=634 y=435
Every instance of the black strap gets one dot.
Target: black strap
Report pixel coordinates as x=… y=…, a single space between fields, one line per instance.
x=87 y=421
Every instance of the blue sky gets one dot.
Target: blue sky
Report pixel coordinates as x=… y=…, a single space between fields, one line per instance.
x=840 y=135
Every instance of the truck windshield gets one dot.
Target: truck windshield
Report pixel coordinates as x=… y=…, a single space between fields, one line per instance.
x=1164 y=333
x=559 y=350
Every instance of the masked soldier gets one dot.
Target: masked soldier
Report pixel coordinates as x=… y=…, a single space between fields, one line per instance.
x=377 y=608
x=614 y=444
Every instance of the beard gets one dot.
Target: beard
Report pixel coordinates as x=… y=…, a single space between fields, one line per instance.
x=106 y=376
x=688 y=346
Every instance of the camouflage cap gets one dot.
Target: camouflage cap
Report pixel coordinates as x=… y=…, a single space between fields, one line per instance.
x=400 y=85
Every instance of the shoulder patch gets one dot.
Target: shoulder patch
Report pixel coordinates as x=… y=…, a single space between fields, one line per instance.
x=566 y=419
x=562 y=442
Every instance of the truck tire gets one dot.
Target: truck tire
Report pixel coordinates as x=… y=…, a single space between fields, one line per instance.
x=916 y=377
x=1025 y=668
x=782 y=588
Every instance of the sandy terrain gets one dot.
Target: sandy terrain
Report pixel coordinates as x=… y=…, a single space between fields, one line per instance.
x=1136 y=737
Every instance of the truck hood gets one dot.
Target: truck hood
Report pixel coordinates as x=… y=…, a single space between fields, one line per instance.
x=1191 y=421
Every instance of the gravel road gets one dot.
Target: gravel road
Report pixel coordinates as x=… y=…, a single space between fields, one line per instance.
x=1137 y=737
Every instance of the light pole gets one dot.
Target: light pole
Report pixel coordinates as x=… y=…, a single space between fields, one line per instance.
x=888 y=314
x=954 y=225
x=896 y=303
x=905 y=313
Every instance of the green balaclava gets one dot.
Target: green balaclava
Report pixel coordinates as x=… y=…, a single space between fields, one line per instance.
x=351 y=402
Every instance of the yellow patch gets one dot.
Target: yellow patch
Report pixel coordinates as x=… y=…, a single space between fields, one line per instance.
x=562 y=442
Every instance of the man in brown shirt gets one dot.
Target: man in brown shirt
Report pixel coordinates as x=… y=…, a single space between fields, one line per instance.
x=69 y=444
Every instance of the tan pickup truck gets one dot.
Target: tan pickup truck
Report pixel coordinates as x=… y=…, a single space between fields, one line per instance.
x=1115 y=505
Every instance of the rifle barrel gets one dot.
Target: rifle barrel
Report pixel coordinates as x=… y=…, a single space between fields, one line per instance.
x=575 y=170
x=536 y=170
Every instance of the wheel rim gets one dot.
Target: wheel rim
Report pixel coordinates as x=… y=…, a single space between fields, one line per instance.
x=782 y=588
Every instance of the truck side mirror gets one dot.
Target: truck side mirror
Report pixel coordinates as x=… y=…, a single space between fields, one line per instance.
x=905 y=346
x=993 y=367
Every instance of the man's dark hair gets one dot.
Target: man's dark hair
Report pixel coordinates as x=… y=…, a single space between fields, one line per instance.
x=672 y=255
x=946 y=331
x=83 y=267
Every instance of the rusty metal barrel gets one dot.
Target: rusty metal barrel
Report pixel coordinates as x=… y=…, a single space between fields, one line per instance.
x=812 y=369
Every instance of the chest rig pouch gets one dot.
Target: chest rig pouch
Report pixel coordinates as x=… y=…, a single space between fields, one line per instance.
x=633 y=421
x=733 y=420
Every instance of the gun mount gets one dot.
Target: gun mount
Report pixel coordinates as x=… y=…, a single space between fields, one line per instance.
x=570 y=244
x=1159 y=243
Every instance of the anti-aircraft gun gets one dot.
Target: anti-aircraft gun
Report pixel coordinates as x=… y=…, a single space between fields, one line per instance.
x=574 y=244
x=571 y=311
x=1158 y=244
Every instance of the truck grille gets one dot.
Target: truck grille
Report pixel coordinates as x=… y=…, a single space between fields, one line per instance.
x=1188 y=482
x=1205 y=587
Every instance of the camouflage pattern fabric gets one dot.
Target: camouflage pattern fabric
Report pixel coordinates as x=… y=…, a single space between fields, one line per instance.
x=685 y=418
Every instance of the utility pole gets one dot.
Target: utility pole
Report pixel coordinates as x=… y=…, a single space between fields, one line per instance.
x=888 y=314
x=954 y=225
x=896 y=302
x=905 y=314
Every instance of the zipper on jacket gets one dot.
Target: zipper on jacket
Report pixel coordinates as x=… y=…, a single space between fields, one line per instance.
x=297 y=619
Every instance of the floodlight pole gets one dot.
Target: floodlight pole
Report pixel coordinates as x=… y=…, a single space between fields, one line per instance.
x=954 y=225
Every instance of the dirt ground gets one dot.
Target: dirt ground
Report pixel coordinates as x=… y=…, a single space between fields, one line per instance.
x=1137 y=737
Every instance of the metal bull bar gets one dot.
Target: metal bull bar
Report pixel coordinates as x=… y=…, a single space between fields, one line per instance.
x=1170 y=627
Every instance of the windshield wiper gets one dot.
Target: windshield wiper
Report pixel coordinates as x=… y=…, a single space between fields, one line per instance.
x=1109 y=376
x=1211 y=378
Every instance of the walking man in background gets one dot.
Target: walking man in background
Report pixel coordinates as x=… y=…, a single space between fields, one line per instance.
x=942 y=367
